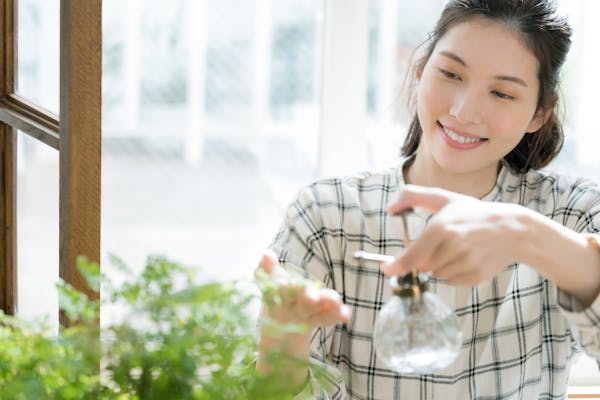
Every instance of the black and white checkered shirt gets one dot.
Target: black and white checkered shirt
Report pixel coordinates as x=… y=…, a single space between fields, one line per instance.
x=520 y=333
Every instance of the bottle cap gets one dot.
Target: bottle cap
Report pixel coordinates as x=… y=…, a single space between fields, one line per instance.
x=410 y=285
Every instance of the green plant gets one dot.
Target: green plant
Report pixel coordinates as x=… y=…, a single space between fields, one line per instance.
x=177 y=340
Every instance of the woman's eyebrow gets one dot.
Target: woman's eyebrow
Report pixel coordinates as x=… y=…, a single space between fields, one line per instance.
x=454 y=57
x=459 y=60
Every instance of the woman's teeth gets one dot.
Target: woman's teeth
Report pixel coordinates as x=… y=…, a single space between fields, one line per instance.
x=460 y=139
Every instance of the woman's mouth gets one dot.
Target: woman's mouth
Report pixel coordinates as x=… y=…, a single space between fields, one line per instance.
x=460 y=141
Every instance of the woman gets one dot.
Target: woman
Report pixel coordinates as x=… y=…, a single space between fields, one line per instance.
x=513 y=249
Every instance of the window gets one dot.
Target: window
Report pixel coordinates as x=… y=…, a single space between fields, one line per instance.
x=24 y=110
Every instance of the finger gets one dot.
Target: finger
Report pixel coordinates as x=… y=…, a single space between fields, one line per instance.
x=315 y=307
x=268 y=262
x=466 y=279
x=326 y=320
x=417 y=255
x=294 y=303
x=327 y=298
x=330 y=302
x=463 y=273
x=445 y=255
x=293 y=296
x=432 y=199
x=339 y=313
x=452 y=270
x=304 y=298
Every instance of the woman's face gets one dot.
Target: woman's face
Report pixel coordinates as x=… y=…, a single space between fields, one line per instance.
x=476 y=98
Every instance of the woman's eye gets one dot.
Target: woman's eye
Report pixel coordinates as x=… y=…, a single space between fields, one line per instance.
x=501 y=95
x=449 y=75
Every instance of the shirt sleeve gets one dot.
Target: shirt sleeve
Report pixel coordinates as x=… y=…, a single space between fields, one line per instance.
x=585 y=320
x=301 y=249
x=581 y=212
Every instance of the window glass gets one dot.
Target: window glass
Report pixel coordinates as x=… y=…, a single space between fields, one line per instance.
x=396 y=28
x=210 y=123
x=37 y=229
x=38 y=31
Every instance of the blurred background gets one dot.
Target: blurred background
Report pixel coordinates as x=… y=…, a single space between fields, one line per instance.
x=216 y=113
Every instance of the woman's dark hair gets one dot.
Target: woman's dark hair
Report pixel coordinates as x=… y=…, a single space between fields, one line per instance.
x=546 y=34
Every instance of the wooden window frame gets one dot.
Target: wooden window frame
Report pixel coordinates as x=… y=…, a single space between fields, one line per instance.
x=75 y=134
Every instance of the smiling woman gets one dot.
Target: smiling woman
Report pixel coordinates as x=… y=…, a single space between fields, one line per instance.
x=476 y=99
x=506 y=244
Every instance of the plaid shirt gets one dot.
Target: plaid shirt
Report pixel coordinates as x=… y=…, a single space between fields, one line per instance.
x=520 y=332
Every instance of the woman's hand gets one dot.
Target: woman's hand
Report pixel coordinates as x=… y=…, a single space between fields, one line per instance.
x=466 y=241
x=299 y=301
x=290 y=299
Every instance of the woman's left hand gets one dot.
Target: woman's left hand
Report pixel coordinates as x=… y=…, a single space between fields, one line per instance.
x=466 y=241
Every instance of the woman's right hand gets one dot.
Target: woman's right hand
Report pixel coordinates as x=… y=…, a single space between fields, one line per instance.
x=301 y=303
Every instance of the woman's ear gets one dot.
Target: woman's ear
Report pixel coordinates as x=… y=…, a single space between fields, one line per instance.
x=540 y=117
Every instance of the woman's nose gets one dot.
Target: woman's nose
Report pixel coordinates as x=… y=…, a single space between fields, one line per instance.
x=467 y=107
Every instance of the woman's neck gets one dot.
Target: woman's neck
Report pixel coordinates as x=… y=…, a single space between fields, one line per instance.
x=477 y=184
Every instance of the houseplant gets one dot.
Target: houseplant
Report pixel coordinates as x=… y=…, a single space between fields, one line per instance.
x=177 y=339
